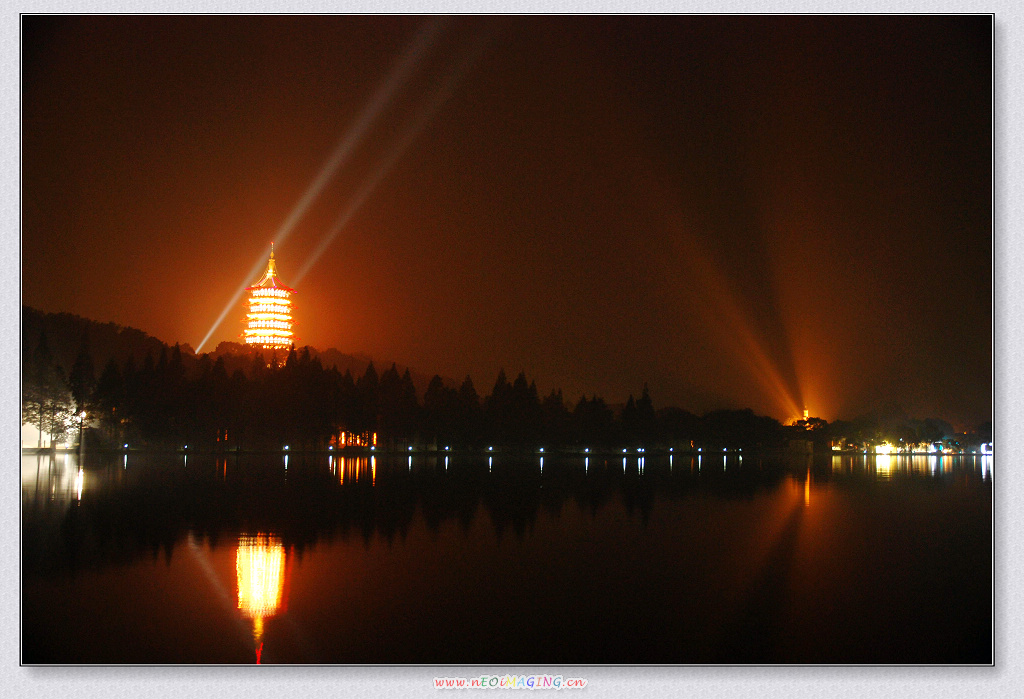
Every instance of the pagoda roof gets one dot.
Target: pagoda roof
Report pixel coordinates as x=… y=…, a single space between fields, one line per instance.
x=269 y=279
x=270 y=283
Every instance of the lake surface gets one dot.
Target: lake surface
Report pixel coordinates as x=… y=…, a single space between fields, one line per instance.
x=506 y=559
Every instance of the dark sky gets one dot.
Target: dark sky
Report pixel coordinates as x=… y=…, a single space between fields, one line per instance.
x=765 y=212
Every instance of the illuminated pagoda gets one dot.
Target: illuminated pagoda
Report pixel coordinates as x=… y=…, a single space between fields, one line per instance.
x=269 y=316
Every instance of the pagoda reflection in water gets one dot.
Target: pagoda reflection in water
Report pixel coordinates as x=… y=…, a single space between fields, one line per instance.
x=261 y=573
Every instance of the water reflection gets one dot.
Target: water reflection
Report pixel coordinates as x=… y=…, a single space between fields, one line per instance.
x=883 y=466
x=888 y=467
x=152 y=506
x=354 y=469
x=408 y=537
x=260 y=574
x=55 y=478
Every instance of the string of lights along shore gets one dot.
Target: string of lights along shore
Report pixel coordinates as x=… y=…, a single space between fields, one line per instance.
x=269 y=318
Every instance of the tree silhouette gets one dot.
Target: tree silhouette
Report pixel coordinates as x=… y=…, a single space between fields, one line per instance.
x=365 y=417
x=647 y=422
x=555 y=419
x=630 y=421
x=468 y=416
x=242 y=397
x=46 y=399
x=82 y=379
x=109 y=400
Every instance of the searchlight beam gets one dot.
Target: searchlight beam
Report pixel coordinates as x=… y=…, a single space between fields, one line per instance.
x=420 y=45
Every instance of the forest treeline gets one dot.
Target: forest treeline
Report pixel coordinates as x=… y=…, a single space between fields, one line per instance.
x=254 y=399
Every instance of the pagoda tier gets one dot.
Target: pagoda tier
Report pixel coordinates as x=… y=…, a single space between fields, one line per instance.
x=269 y=315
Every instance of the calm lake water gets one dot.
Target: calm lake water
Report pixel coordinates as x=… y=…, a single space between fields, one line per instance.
x=506 y=559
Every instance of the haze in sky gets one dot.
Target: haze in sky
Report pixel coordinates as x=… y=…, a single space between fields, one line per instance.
x=769 y=212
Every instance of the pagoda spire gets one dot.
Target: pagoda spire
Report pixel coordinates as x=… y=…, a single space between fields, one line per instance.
x=271 y=264
x=270 y=276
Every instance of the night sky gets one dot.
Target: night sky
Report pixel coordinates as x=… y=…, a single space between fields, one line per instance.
x=765 y=212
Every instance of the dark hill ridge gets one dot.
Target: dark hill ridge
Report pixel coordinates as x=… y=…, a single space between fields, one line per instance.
x=315 y=402
x=64 y=333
